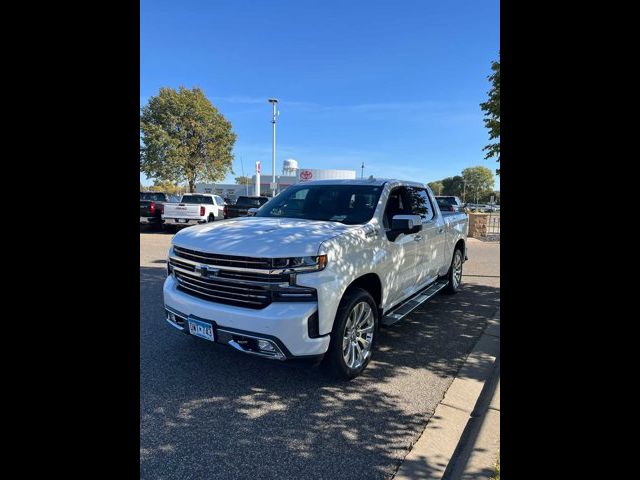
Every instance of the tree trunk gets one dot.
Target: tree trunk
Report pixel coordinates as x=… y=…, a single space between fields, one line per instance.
x=192 y=186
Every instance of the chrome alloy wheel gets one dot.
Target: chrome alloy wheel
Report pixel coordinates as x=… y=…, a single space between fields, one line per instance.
x=358 y=335
x=457 y=269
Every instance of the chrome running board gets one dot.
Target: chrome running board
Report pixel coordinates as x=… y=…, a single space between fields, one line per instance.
x=409 y=305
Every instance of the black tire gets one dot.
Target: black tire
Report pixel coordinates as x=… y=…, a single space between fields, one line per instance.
x=334 y=358
x=454 y=278
x=211 y=218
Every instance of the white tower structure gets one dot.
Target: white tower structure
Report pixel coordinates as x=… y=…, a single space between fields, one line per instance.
x=290 y=168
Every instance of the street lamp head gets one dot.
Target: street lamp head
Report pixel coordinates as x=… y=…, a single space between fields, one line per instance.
x=273 y=100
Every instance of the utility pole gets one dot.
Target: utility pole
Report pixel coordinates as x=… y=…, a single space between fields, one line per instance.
x=244 y=179
x=362 y=171
x=274 y=102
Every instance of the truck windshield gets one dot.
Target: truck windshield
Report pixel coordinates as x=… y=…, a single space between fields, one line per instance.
x=251 y=202
x=348 y=204
x=447 y=201
x=197 y=199
x=152 y=196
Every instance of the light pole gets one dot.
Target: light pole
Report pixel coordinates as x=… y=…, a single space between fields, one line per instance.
x=274 y=102
x=244 y=179
x=362 y=171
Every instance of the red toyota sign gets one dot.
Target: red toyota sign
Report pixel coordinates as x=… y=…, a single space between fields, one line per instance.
x=305 y=174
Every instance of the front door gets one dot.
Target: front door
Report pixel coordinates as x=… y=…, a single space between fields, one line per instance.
x=430 y=240
x=403 y=249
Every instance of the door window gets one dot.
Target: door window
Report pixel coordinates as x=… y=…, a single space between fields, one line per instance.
x=420 y=203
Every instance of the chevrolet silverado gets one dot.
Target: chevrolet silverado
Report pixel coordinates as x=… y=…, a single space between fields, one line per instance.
x=193 y=209
x=316 y=271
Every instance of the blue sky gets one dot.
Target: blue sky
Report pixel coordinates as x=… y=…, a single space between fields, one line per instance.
x=396 y=84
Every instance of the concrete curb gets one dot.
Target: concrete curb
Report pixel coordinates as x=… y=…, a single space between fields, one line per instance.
x=460 y=438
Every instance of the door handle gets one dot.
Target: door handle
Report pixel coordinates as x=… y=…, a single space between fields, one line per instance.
x=417 y=238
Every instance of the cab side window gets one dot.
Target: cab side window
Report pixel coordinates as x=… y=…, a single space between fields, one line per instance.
x=398 y=203
x=420 y=203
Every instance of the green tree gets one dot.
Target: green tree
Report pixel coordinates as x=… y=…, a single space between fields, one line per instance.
x=436 y=187
x=185 y=138
x=243 y=180
x=491 y=110
x=167 y=187
x=453 y=186
x=479 y=182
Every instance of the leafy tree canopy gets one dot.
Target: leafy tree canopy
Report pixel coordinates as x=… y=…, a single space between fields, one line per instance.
x=491 y=110
x=185 y=138
x=243 y=180
x=452 y=186
x=167 y=187
x=479 y=182
x=436 y=187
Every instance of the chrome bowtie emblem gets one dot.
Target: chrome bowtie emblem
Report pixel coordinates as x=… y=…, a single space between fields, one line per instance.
x=207 y=271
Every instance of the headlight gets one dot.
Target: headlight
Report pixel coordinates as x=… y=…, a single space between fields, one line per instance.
x=169 y=269
x=301 y=264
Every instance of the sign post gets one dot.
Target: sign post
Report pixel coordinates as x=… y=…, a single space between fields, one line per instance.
x=257 y=186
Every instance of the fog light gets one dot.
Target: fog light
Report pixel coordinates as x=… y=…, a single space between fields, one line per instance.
x=265 y=346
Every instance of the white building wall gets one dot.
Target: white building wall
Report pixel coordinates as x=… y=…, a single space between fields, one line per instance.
x=307 y=174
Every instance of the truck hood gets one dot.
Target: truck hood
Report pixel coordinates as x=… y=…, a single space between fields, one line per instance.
x=261 y=236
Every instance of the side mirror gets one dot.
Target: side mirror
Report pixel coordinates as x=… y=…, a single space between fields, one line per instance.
x=252 y=212
x=406 y=223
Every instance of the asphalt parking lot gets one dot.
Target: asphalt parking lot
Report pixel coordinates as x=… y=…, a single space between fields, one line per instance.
x=210 y=412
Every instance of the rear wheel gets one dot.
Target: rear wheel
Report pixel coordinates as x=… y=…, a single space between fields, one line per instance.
x=211 y=218
x=353 y=335
x=455 y=272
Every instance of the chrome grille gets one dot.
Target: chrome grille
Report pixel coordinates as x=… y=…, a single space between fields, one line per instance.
x=243 y=295
x=223 y=260
x=245 y=287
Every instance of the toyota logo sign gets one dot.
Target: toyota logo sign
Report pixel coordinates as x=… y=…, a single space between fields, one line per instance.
x=306 y=175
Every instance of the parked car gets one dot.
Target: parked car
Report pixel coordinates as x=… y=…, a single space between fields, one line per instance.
x=316 y=271
x=243 y=204
x=151 y=208
x=449 y=203
x=475 y=207
x=194 y=208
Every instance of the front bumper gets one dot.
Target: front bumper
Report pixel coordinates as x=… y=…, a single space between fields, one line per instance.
x=284 y=324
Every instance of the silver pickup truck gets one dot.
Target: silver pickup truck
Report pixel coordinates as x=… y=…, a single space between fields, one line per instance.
x=316 y=271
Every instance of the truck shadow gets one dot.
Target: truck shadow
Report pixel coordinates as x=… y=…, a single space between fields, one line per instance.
x=208 y=411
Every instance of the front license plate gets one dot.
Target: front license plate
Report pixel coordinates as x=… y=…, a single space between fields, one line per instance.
x=201 y=329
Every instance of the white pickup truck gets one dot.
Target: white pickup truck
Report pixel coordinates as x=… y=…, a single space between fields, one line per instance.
x=316 y=271
x=194 y=208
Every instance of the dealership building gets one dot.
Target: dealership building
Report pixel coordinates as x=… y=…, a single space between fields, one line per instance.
x=291 y=175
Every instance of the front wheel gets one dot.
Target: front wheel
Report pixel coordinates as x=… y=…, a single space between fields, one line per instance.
x=455 y=272
x=353 y=335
